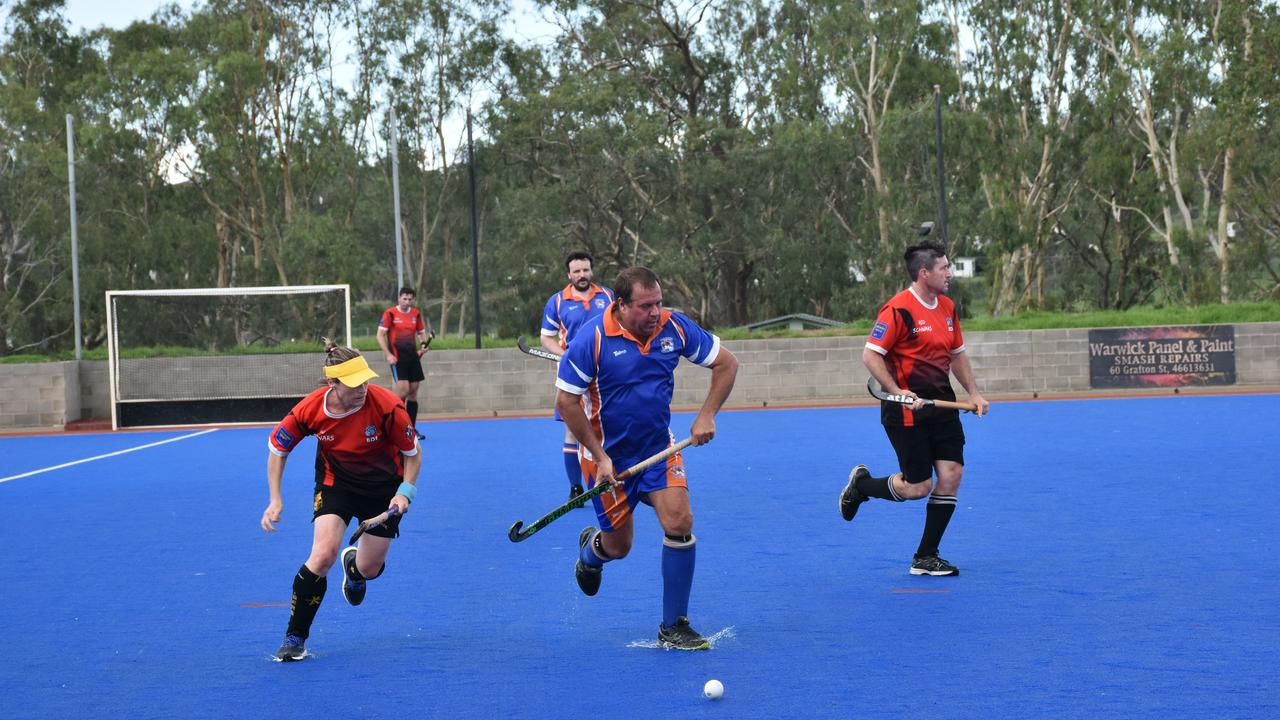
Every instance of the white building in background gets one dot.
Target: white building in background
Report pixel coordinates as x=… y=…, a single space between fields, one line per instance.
x=964 y=267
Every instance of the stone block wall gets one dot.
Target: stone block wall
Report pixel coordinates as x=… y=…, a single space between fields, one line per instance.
x=793 y=371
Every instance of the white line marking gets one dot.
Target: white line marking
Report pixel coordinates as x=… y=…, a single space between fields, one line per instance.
x=110 y=454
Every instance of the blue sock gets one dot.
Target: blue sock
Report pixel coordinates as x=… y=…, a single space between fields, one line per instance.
x=678 y=554
x=588 y=555
x=571 y=466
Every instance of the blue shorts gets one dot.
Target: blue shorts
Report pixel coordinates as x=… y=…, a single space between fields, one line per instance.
x=614 y=508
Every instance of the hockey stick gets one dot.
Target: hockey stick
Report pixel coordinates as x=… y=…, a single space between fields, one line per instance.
x=878 y=393
x=516 y=534
x=373 y=522
x=536 y=351
x=426 y=343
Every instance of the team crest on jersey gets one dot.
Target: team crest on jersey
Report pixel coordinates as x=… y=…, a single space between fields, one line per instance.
x=600 y=303
x=950 y=325
x=284 y=439
x=370 y=434
x=668 y=345
x=877 y=332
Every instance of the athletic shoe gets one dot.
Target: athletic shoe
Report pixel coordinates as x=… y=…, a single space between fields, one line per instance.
x=850 y=498
x=420 y=435
x=292 y=649
x=681 y=637
x=588 y=577
x=932 y=565
x=353 y=586
x=574 y=491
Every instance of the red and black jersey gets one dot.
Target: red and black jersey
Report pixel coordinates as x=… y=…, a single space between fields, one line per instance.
x=360 y=451
x=918 y=342
x=402 y=330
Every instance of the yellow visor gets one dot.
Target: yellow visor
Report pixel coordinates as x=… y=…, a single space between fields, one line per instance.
x=352 y=373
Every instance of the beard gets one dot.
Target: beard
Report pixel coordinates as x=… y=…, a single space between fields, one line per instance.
x=582 y=284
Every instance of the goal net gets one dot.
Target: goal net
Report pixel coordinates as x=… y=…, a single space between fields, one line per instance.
x=219 y=355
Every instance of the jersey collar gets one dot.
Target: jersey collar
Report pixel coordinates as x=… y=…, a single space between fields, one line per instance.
x=567 y=293
x=920 y=300
x=614 y=329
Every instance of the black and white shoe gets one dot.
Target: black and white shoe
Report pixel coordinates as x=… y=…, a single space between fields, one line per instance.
x=419 y=434
x=588 y=577
x=293 y=649
x=353 y=584
x=850 y=498
x=681 y=636
x=932 y=565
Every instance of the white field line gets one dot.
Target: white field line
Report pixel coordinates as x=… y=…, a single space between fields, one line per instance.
x=107 y=455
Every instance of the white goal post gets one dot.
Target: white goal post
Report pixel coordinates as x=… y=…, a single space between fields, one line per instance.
x=204 y=356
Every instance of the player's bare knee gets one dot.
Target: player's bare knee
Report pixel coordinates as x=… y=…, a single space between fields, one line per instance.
x=321 y=561
x=617 y=547
x=912 y=490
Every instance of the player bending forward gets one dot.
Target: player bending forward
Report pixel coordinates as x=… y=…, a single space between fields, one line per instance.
x=367 y=460
x=624 y=363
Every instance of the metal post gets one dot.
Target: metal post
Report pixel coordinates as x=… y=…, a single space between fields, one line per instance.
x=475 y=242
x=75 y=240
x=395 y=191
x=942 y=180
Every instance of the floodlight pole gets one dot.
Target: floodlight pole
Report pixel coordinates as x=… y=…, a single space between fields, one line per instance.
x=475 y=242
x=395 y=202
x=942 y=180
x=75 y=240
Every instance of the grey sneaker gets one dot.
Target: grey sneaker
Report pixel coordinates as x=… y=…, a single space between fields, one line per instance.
x=588 y=577
x=932 y=565
x=292 y=650
x=681 y=637
x=850 y=498
x=353 y=585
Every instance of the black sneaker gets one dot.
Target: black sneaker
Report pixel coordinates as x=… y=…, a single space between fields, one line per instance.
x=292 y=649
x=932 y=565
x=588 y=577
x=850 y=498
x=353 y=585
x=681 y=637
x=419 y=434
x=574 y=491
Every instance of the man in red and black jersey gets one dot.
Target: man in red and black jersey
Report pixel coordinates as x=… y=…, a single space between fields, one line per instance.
x=914 y=346
x=367 y=460
x=404 y=336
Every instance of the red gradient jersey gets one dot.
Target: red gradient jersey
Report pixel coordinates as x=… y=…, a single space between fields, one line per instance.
x=360 y=451
x=402 y=330
x=918 y=342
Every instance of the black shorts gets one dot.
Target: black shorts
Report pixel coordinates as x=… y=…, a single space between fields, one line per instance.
x=919 y=446
x=408 y=367
x=346 y=505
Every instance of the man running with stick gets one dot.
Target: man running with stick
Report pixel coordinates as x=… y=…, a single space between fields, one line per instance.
x=623 y=364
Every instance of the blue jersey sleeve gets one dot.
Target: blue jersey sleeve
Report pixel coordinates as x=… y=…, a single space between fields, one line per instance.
x=551 y=316
x=700 y=346
x=578 y=365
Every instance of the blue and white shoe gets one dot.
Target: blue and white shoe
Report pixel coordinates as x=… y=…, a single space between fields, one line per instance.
x=353 y=585
x=293 y=649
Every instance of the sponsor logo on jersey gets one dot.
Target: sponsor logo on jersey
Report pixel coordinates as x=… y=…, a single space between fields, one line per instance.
x=370 y=434
x=284 y=439
x=877 y=332
x=668 y=345
x=325 y=438
x=616 y=353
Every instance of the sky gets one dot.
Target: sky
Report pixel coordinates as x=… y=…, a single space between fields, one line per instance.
x=117 y=14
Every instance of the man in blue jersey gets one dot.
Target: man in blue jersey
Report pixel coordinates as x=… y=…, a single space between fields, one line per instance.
x=614 y=390
x=580 y=302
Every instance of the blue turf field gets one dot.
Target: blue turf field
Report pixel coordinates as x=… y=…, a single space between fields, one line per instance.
x=1117 y=557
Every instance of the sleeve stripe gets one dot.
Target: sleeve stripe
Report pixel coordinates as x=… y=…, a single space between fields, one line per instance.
x=571 y=389
x=585 y=377
x=713 y=353
x=550 y=333
x=958 y=350
x=877 y=348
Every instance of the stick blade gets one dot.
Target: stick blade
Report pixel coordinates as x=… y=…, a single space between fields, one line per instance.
x=514 y=533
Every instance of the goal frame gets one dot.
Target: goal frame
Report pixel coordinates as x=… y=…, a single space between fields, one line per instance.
x=113 y=349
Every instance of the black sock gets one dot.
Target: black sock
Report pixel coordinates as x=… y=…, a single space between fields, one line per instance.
x=412 y=407
x=876 y=488
x=936 y=516
x=308 y=592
